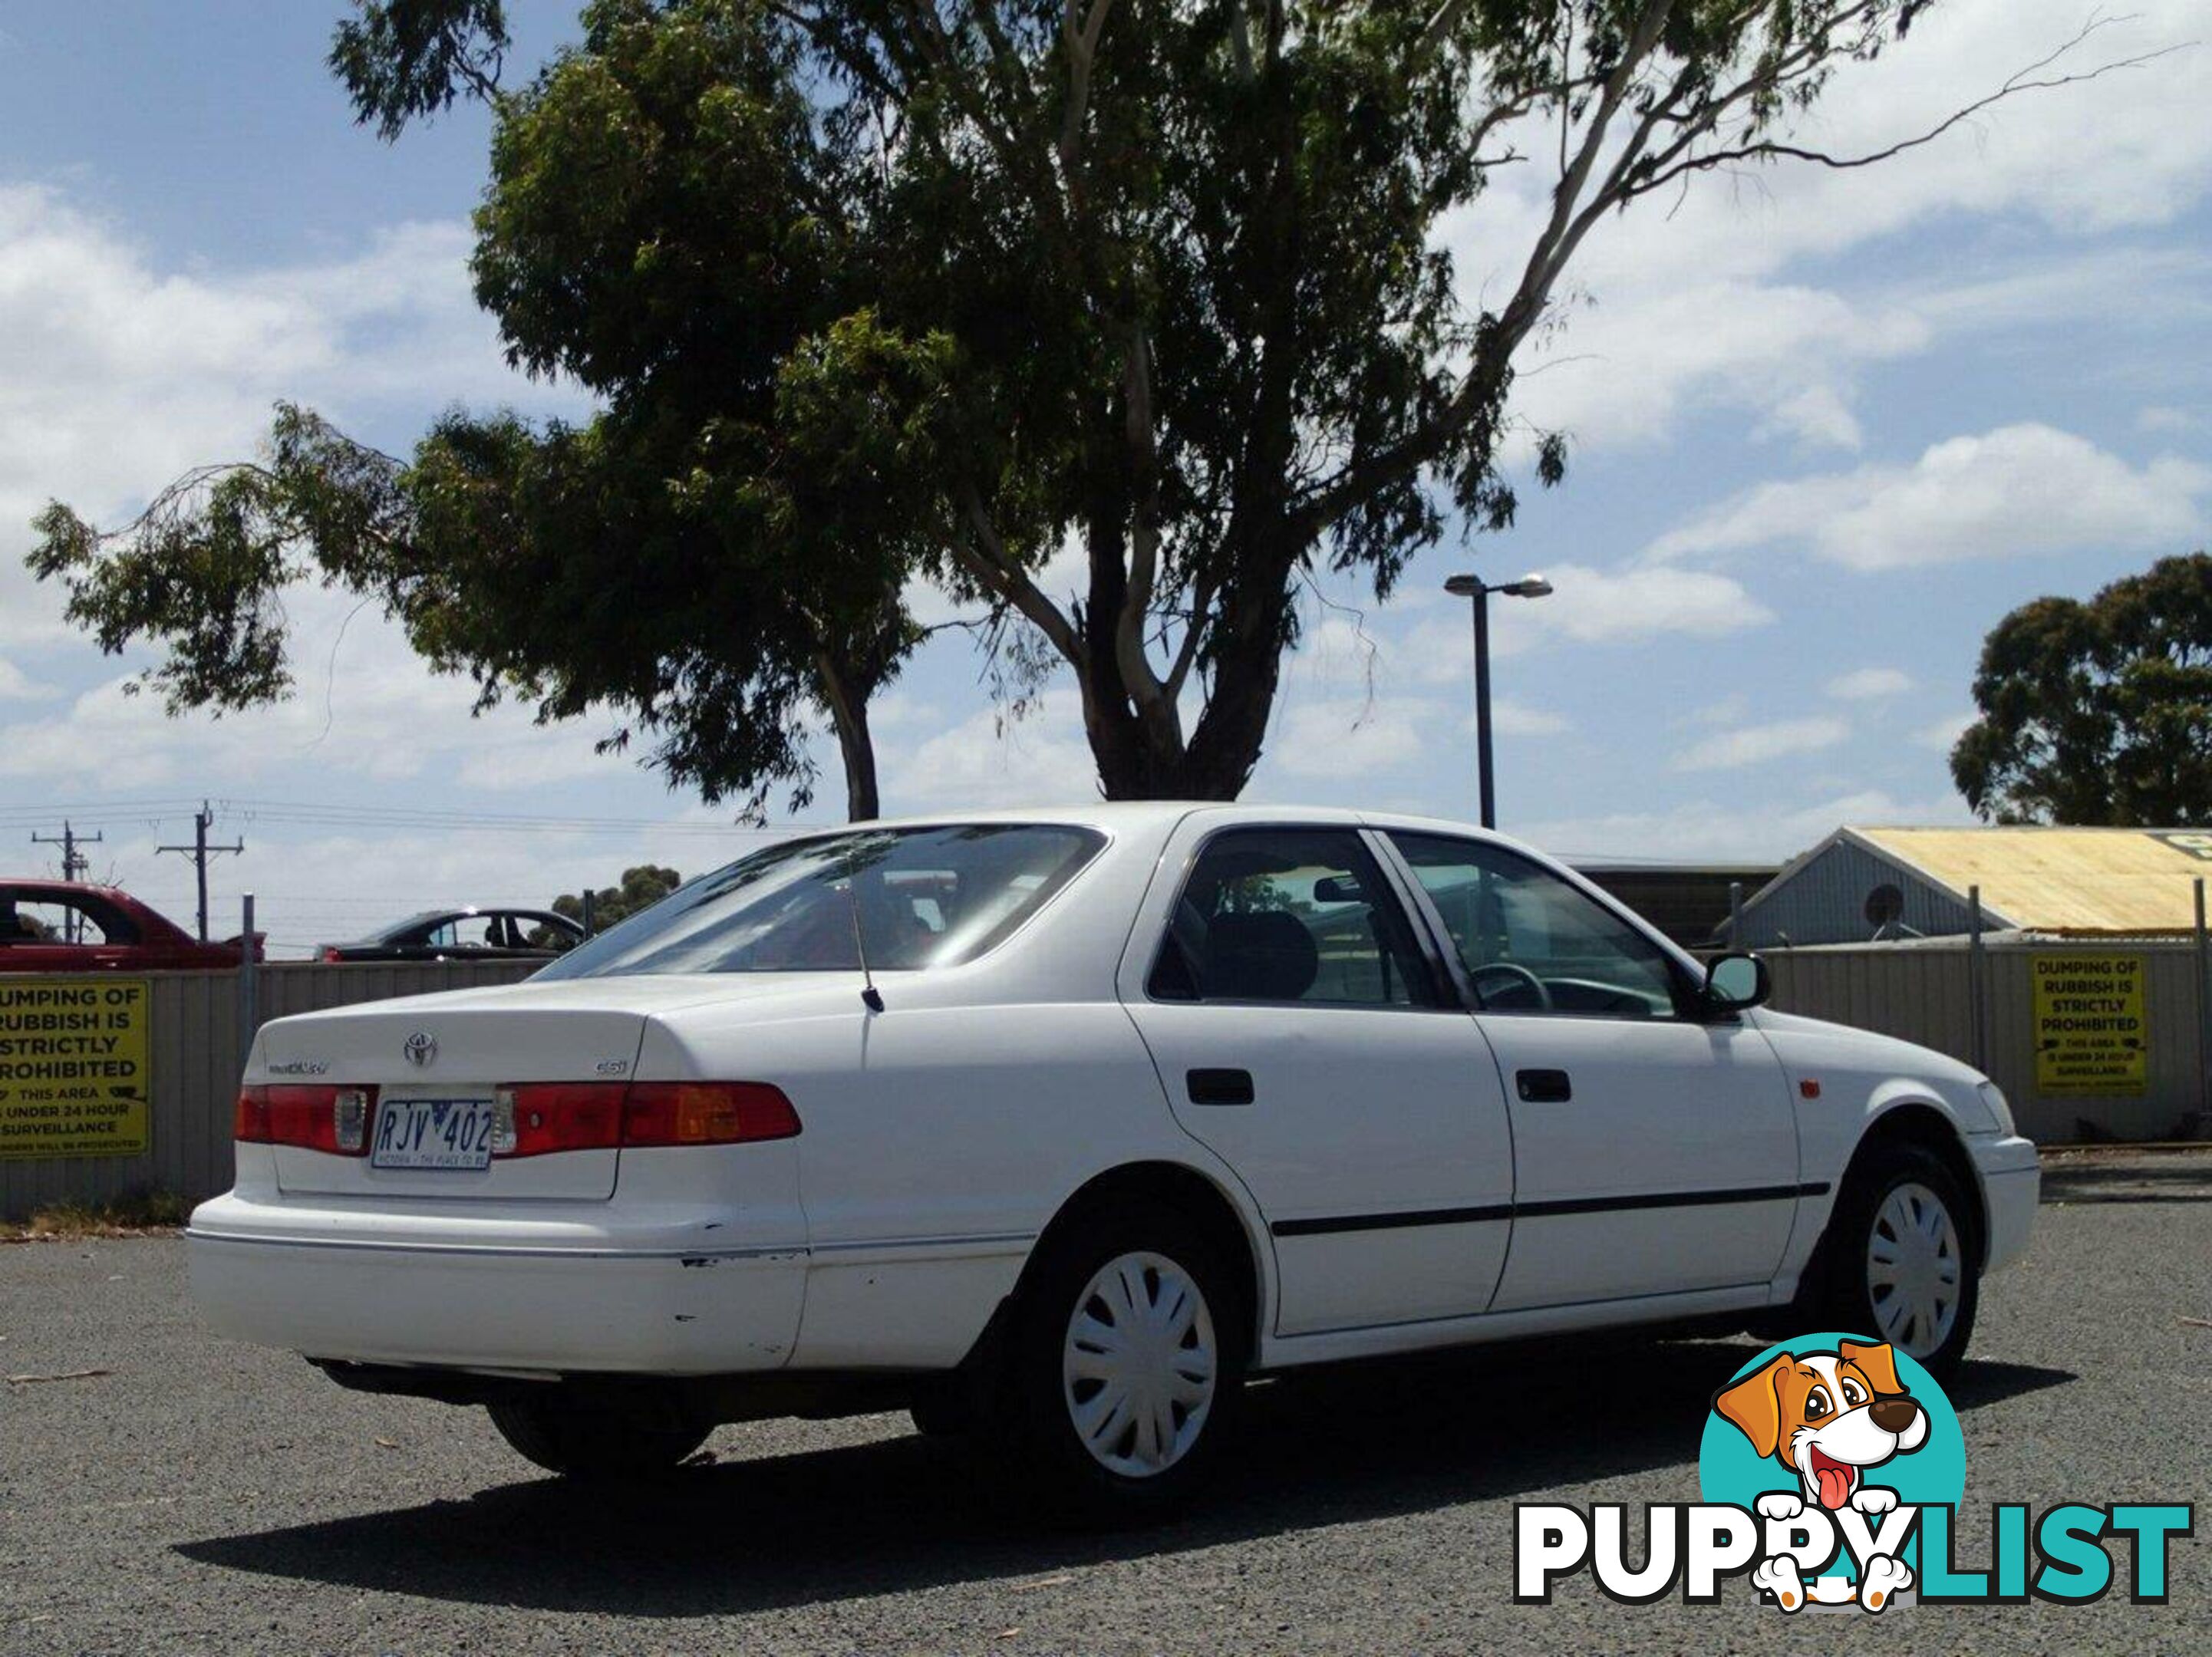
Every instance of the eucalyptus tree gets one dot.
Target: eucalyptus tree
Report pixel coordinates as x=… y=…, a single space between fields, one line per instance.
x=880 y=293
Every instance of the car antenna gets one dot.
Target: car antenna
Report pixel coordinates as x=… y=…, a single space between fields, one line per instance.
x=869 y=993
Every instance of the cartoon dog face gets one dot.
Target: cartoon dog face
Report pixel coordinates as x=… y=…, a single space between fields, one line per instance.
x=1827 y=1415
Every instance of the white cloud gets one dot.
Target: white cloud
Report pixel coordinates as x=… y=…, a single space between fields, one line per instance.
x=1705 y=299
x=2017 y=490
x=1759 y=830
x=121 y=373
x=1512 y=719
x=1942 y=735
x=16 y=686
x=365 y=707
x=1756 y=744
x=1869 y=684
x=1597 y=606
x=990 y=759
x=2169 y=420
x=1354 y=737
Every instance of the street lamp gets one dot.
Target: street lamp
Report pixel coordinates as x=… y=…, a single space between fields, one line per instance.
x=1474 y=587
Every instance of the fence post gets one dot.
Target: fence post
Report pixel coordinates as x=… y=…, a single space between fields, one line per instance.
x=2204 y=1016
x=1978 y=969
x=249 y=984
x=1736 y=914
x=590 y=914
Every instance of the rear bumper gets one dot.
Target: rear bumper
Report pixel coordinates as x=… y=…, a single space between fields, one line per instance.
x=2012 y=1185
x=554 y=1294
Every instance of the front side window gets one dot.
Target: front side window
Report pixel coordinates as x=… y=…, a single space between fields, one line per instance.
x=1531 y=942
x=1283 y=914
x=913 y=898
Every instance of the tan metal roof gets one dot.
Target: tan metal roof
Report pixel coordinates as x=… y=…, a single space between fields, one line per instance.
x=2063 y=880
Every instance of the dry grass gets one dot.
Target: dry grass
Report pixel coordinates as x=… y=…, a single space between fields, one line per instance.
x=135 y=1214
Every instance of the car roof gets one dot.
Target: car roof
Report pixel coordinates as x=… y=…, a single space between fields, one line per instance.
x=68 y=889
x=1137 y=816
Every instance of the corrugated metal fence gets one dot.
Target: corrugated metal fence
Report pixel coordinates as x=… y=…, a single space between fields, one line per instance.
x=194 y=1057
x=1921 y=992
x=1924 y=992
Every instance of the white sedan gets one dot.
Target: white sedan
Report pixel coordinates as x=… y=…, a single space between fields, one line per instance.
x=1054 y=1126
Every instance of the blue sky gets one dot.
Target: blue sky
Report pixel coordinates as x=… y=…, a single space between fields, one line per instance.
x=1827 y=427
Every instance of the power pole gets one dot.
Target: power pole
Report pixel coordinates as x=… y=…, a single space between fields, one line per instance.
x=199 y=852
x=74 y=864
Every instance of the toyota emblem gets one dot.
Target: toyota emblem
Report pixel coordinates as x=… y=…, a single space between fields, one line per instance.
x=421 y=1048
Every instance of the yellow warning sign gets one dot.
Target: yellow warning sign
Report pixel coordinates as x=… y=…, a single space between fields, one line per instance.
x=2092 y=1026
x=74 y=1078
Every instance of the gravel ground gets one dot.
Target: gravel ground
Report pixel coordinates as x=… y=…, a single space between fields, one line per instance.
x=209 y=1497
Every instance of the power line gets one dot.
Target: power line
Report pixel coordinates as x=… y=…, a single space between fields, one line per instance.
x=199 y=851
x=74 y=864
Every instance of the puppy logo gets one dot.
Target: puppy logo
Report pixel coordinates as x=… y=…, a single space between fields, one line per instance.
x=1835 y=1443
x=1828 y=1417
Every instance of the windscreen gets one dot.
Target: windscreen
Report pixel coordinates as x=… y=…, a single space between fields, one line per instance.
x=913 y=897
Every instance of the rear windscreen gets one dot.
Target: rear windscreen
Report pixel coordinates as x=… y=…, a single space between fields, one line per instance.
x=911 y=897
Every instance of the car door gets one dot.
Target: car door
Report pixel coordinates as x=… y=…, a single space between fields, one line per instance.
x=1654 y=1149
x=1304 y=1035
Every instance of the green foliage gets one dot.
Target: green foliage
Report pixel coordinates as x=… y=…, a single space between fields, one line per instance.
x=640 y=888
x=2099 y=712
x=869 y=290
x=402 y=60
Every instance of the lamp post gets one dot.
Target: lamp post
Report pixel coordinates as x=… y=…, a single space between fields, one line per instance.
x=1474 y=587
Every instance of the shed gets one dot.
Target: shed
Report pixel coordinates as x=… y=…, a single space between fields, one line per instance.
x=1867 y=884
x=1688 y=901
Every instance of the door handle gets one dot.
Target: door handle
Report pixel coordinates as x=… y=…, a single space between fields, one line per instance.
x=1544 y=1087
x=1220 y=1087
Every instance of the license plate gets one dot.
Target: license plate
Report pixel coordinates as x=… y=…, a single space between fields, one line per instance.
x=437 y=1133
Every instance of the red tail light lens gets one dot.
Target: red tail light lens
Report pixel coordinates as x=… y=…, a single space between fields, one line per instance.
x=312 y=1118
x=705 y=1114
x=250 y=1125
x=535 y=1117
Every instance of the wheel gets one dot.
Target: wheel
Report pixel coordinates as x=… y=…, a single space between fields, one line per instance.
x=1126 y=1362
x=600 y=1443
x=1901 y=1257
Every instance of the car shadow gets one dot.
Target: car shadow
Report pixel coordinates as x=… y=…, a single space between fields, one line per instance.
x=895 y=1515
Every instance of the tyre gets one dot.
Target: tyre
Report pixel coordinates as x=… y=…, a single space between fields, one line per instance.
x=1126 y=1366
x=1902 y=1257
x=600 y=1443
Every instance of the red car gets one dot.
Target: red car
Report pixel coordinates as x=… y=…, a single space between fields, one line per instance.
x=62 y=926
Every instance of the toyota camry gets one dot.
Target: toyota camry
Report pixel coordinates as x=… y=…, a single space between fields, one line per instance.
x=1053 y=1127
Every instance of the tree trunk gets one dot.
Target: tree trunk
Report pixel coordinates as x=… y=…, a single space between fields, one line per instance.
x=848 y=717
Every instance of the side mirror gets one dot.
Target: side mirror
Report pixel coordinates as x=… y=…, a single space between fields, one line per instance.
x=1737 y=980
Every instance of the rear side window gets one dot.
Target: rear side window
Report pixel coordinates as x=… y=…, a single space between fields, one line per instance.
x=41 y=918
x=1289 y=915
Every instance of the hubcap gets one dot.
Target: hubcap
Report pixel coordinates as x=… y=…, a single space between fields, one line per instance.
x=1138 y=1365
x=1914 y=1270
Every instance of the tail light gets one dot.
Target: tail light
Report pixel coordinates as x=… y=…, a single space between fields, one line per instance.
x=705 y=1114
x=535 y=1119
x=331 y=952
x=313 y=1117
